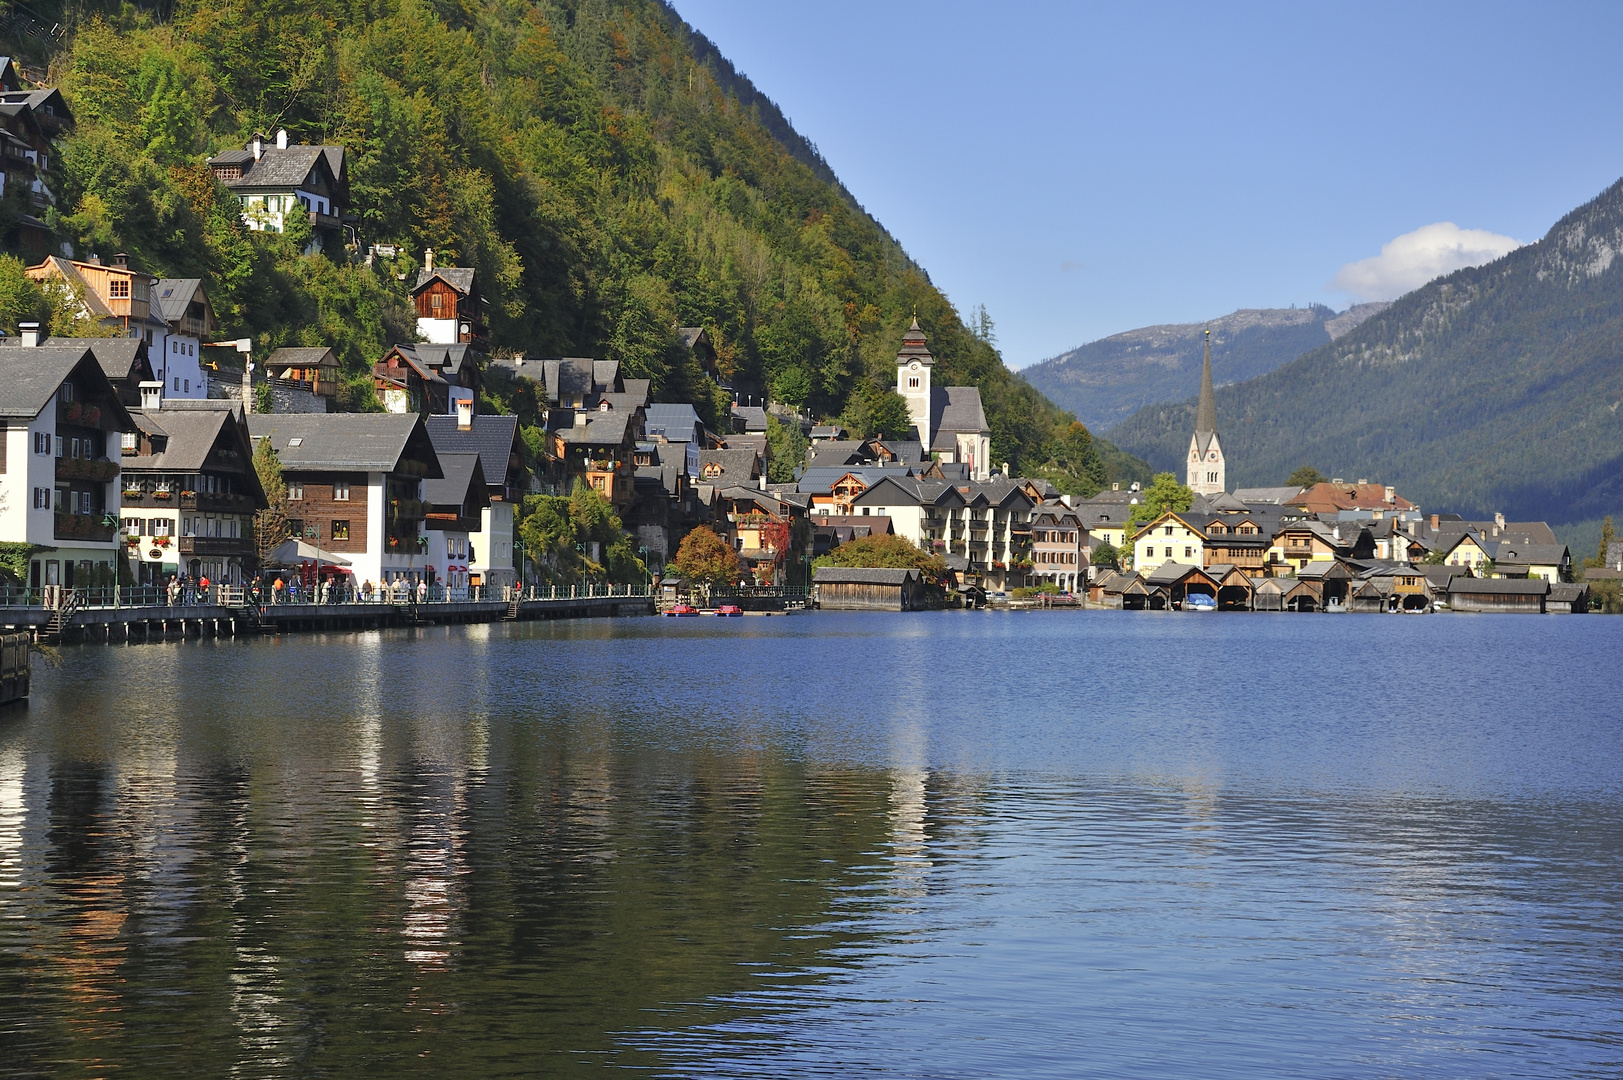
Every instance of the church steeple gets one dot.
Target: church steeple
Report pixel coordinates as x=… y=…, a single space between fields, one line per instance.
x=1207 y=470
x=1206 y=415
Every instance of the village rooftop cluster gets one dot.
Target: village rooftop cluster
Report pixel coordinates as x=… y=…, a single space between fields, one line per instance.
x=136 y=446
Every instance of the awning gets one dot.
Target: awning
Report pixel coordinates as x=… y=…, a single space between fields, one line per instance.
x=293 y=552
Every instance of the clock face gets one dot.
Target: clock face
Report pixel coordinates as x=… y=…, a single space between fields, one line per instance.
x=1212 y=456
x=914 y=366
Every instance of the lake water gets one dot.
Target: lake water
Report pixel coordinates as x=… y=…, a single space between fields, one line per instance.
x=939 y=844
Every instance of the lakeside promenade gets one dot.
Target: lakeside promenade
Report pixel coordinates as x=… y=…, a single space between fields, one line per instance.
x=143 y=614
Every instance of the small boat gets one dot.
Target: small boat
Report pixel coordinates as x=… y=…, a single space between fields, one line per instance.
x=682 y=611
x=1199 y=602
x=729 y=610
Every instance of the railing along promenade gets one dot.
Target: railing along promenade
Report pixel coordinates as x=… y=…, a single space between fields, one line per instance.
x=151 y=612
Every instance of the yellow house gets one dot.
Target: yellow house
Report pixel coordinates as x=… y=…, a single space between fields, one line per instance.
x=1106 y=524
x=1169 y=538
x=1469 y=550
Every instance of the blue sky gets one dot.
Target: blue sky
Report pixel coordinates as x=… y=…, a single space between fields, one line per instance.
x=1083 y=170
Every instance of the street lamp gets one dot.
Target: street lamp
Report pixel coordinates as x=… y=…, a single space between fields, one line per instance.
x=518 y=548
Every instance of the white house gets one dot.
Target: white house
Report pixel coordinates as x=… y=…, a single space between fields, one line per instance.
x=496 y=440
x=455 y=504
x=355 y=487
x=188 y=319
x=58 y=485
x=269 y=181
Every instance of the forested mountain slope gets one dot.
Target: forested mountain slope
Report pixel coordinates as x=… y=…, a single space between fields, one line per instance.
x=1494 y=388
x=1108 y=380
x=607 y=172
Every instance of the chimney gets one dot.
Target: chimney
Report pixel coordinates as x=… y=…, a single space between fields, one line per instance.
x=1391 y=494
x=1115 y=486
x=1434 y=523
x=281 y=139
x=428 y=258
x=1362 y=481
x=28 y=333
x=122 y=260
x=258 y=145
x=1498 y=520
x=580 y=418
x=464 y=414
x=151 y=396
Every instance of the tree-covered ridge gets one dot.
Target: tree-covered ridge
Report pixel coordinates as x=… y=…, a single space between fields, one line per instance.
x=609 y=176
x=1494 y=388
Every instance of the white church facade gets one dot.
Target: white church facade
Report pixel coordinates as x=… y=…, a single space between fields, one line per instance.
x=950 y=422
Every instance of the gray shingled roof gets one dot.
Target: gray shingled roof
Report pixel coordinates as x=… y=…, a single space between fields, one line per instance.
x=462 y=471
x=602 y=429
x=956 y=409
x=459 y=278
x=276 y=167
x=752 y=416
x=1530 y=554
x=357 y=442
x=190 y=436
x=737 y=466
x=117 y=356
x=289 y=356
x=29 y=376
x=171 y=295
x=491 y=437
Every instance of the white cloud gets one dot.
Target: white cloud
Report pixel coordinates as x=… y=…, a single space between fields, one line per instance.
x=1411 y=260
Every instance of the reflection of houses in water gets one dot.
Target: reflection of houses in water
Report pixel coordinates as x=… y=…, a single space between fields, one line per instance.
x=435 y=861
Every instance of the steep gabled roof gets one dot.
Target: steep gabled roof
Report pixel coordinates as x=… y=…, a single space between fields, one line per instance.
x=459 y=278
x=348 y=442
x=29 y=376
x=463 y=477
x=171 y=295
x=492 y=437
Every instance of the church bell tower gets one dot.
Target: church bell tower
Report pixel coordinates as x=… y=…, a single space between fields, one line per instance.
x=1206 y=474
x=913 y=365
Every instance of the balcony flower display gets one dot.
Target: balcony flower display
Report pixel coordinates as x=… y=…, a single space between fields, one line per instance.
x=188 y=494
x=133 y=493
x=161 y=492
x=74 y=411
x=160 y=541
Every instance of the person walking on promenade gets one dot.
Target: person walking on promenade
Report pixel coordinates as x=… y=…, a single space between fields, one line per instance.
x=203 y=596
x=366 y=591
x=326 y=591
x=422 y=590
x=173 y=590
x=277 y=588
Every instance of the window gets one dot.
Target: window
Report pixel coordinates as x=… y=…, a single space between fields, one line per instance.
x=340 y=530
x=188 y=526
x=235 y=529
x=436 y=302
x=188 y=386
x=177 y=384
x=1169 y=533
x=42 y=443
x=295 y=491
x=42 y=498
x=119 y=288
x=295 y=526
x=340 y=491
x=1188 y=552
x=133 y=526
x=1169 y=553
x=913 y=382
x=128 y=440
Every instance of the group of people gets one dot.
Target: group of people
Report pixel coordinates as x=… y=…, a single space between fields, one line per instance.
x=182 y=590
x=293 y=590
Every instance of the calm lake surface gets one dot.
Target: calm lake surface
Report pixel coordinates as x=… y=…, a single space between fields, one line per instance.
x=940 y=844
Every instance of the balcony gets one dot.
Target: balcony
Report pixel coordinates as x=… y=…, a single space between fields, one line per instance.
x=87 y=527
x=78 y=413
x=97 y=470
x=215 y=545
x=220 y=501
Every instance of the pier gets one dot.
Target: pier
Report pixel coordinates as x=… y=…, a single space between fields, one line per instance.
x=94 y=616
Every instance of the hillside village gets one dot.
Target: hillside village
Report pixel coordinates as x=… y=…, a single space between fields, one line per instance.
x=424 y=499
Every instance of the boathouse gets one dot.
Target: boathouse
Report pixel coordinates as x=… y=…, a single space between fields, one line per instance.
x=1522 y=595
x=851 y=588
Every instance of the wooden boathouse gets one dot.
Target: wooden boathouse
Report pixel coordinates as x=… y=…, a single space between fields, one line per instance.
x=850 y=588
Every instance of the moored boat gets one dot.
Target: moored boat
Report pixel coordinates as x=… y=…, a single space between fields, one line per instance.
x=729 y=610
x=682 y=611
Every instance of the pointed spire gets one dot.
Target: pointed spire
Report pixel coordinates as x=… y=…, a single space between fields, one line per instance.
x=1206 y=415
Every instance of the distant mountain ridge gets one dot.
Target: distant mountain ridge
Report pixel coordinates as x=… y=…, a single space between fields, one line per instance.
x=1494 y=388
x=1108 y=380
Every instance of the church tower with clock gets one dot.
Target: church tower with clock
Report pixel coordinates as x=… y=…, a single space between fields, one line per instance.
x=1206 y=475
x=913 y=365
